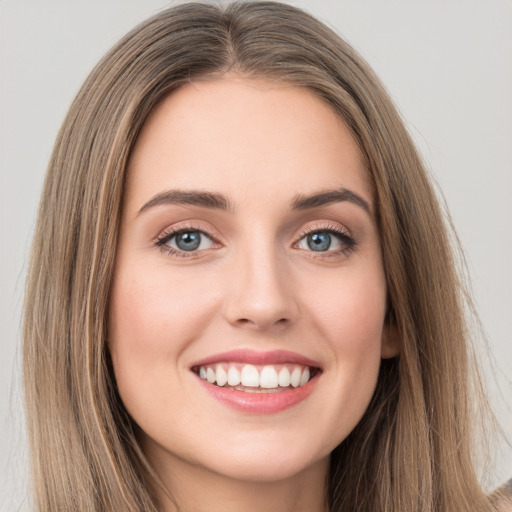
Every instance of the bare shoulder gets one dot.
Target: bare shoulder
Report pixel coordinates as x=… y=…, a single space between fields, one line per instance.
x=504 y=498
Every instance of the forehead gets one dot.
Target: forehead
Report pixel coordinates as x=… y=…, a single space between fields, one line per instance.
x=237 y=134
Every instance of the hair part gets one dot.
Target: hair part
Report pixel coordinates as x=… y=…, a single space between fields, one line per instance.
x=412 y=450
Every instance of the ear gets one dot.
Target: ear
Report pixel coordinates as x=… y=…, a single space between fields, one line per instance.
x=390 y=344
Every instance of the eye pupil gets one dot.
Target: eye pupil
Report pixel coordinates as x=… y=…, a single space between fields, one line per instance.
x=188 y=240
x=319 y=241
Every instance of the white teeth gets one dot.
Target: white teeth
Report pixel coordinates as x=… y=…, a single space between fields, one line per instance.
x=233 y=376
x=222 y=376
x=268 y=377
x=284 y=377
x=305 y=377
x=295 y=376
x=210 y=375
x=250 y=376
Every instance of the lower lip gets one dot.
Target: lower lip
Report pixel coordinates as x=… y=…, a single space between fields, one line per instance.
x=260 y=403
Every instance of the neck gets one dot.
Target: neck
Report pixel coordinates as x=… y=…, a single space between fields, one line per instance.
x=186 y=487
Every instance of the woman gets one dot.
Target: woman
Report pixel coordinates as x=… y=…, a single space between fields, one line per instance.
x=242 y=294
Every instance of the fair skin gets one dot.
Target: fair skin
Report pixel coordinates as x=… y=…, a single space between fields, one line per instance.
x=270 y=272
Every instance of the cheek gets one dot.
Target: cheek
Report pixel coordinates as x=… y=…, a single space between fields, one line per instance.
x=350 y=311
x=350 y=316
x=156 y=311
x=154 y=316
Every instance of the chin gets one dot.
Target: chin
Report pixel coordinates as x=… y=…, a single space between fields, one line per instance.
x=275 y=457
x=267 y=468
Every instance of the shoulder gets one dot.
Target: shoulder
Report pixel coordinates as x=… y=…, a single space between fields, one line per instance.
x=503 y=498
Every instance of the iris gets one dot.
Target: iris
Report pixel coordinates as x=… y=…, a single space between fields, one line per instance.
x=188 y=241
x=319 y=241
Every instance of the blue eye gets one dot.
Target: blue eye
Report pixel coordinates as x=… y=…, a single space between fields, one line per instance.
x=327 y=240
x=188 y=241
x=185 y=241
x=319 y=241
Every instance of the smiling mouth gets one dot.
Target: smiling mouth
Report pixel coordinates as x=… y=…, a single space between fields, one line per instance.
x=256 y=378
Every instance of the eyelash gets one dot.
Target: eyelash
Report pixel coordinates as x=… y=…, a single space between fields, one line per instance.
x=167 y=235
x=349 y=244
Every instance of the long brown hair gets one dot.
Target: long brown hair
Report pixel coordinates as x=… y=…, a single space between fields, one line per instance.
x=412 y=450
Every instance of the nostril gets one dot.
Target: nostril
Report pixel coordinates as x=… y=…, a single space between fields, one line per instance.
x=262 y=324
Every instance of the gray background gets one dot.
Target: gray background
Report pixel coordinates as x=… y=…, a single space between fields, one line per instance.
x=447 y=64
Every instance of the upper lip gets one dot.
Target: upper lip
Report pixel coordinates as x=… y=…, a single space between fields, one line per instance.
x=258 y=358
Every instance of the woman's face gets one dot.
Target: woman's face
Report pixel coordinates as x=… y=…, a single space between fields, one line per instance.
x=247 y=316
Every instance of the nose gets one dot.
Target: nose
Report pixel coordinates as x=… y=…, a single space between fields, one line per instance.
x=261 y=295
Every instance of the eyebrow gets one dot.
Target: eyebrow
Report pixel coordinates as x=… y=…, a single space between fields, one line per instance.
x=302 y=202
x=220 y=202
x=192 y=197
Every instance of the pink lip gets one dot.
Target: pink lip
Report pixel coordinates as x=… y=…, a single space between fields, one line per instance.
x=258 y=358
x=259 y=403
